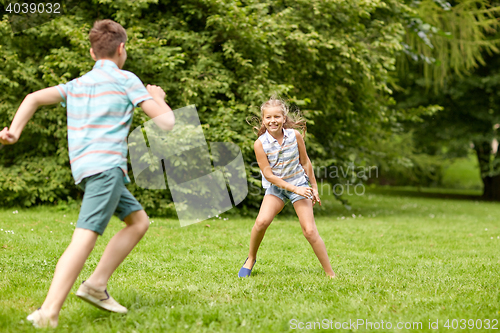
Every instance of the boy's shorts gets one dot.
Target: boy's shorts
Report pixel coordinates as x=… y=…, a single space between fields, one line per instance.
x=105 y=194
x=284 y=194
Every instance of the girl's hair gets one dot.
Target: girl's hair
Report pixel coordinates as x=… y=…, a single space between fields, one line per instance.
x=292 y=120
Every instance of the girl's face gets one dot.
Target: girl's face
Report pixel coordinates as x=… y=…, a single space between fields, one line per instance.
x=273 y=119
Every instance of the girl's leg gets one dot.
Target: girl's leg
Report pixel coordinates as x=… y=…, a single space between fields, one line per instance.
x=304 y=210
x=271 y=206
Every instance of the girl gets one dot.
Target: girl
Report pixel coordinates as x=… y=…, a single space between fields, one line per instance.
x=286 y=170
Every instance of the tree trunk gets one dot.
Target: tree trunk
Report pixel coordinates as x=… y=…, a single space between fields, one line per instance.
x=489 y=176
x=491 y=188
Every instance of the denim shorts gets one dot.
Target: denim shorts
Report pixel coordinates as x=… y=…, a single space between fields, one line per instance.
x=105 y=195
x=284 y=194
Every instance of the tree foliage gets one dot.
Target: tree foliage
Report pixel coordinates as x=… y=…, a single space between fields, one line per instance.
x=332 y=59
x=470 y=118
x=448 y=39
x=462 y=78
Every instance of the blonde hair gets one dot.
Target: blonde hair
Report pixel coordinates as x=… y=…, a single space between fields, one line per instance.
x=292 y=120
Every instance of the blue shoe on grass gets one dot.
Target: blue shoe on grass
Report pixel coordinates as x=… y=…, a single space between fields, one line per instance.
x=245 y=272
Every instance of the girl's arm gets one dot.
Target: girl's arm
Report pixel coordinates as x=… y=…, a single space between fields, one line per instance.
x=264 y=166
x=26 y=110
x=307 y=165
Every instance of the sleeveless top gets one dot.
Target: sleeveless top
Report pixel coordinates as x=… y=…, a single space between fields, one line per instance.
x=284 y=158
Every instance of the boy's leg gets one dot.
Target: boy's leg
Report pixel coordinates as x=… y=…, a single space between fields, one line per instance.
x=118 y=248
x=304 y=210
x=68 y=267
x=271 y=206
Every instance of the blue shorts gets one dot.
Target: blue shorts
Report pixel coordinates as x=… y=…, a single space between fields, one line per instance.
x=105 y=195
x=284 y=194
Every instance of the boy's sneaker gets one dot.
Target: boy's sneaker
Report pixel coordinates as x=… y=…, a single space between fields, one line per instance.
x=98 y=298
x=40 y=320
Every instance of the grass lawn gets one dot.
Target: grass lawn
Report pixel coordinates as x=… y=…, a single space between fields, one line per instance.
x=401 y=256
x=463 y=173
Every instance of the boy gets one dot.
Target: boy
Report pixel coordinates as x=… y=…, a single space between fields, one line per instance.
x=100 y=107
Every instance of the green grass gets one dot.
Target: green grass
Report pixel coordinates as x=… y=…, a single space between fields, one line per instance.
x=406 y=256
x=463 y=173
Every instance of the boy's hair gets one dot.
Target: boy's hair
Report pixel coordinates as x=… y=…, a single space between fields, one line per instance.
x=292 y=120
x=105 y=37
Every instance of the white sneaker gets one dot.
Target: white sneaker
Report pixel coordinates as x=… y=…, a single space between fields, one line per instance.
x=100 y=299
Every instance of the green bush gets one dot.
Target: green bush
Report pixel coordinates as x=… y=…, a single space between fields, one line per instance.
x=332 y=59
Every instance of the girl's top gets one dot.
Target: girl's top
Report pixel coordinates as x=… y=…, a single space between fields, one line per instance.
x=284 y=158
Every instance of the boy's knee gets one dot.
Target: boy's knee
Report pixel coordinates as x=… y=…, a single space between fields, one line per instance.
x=84 y=239
x=143 y=224
x=139 y=220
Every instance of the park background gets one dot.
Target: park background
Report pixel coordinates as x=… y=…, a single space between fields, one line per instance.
x=409 y=88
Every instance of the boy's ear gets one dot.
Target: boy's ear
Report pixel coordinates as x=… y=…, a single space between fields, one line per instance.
x=121 y=48
x=92 y=54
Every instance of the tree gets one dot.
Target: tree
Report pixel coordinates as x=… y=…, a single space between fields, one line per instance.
x=332 y=59
x=447 y=38
x=470 y=116
x=451 y=61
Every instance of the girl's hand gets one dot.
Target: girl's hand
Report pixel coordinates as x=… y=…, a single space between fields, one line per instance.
x=7 y=138
x=304 y=191
x=316 y=197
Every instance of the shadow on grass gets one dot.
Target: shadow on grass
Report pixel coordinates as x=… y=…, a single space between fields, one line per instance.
x=363 y=205
x=428 y=193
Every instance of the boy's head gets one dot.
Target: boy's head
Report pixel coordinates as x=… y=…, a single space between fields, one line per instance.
x=106 y=38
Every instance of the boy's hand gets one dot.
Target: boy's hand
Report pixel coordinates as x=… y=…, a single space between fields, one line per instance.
x=7 y=138
x=156 y=92
x=157 y=107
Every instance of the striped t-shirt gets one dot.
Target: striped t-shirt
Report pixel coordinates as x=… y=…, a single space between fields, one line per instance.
x=100 y=107
x=284 y=158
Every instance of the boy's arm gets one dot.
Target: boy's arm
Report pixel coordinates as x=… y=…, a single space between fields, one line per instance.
x=307 y=165
x=264 y=166
x=157 y=109
x=26 y=110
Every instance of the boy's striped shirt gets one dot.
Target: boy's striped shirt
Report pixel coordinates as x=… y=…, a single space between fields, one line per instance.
x=283 y=159
x=100 y=107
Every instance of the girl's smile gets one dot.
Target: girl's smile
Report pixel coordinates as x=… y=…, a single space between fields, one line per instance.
x=273 y=119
